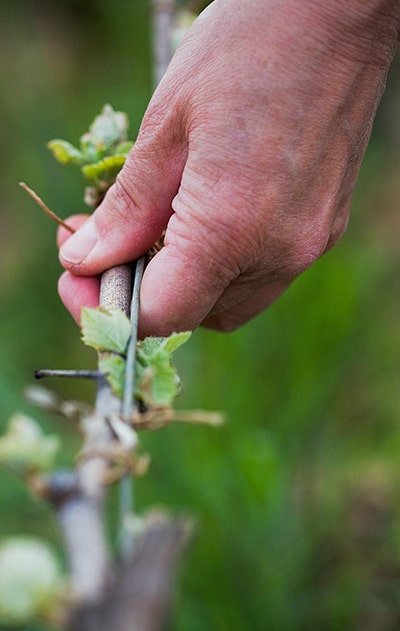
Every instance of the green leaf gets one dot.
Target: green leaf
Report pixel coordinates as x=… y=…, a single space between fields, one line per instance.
x=113 y=367
x=175 y=340
x=101 y=154
x=123 y=147
x=105 y=169
x=151 y=345
x=109 y=127
x=25 y=447
x=92 y=152
x=158 y=381
x=65 y=152
x=105 y=330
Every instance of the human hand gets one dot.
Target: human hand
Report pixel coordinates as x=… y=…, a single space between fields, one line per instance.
x=248 y=155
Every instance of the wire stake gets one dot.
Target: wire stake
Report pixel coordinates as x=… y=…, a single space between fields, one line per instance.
x=126 y=485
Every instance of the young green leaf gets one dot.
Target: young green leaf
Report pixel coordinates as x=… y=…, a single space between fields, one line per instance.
x=65 y=152
x=105 y=169
x=109 y=127
x=101 y=154
x=113 y=367
x=123 y=148
x=105 y=329
x=174 y=341
x=152 y=345
x=158 y=381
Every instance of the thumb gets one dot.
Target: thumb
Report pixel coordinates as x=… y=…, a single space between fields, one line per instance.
x=135 y=209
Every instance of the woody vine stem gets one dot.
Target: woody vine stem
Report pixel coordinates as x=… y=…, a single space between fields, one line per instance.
x=115 y=292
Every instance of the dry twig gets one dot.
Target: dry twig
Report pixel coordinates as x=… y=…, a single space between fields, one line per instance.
x=45 y=208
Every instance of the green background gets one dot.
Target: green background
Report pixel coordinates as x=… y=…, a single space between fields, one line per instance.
x=296 y=497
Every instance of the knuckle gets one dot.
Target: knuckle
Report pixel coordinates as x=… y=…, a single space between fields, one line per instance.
x=305 y=252
x=123 y=198
x=222 y=322
x=338 y=229
x=296 y=253
x=208 y=243
x=308 y=246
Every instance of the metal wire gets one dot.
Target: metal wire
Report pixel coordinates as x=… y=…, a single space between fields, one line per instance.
x=74 y=374
x=128 y=402
x=126 y=485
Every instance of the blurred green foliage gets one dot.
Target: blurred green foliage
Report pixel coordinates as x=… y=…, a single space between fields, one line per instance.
x=297 y=497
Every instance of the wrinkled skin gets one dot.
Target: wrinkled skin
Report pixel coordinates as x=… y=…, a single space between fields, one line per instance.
x=248 y=154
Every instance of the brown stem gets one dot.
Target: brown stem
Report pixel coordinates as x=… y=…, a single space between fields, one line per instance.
x=45 y=208
x=140 y=596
